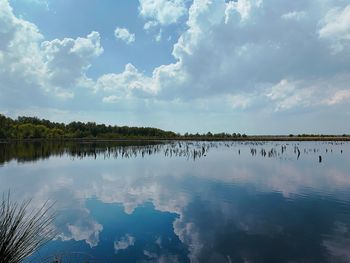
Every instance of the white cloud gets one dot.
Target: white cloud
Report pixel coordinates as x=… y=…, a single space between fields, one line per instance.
x=41 y=3
x=124 y=35
x=21 y=57
x=163 y=12
x=336 y=27
x=240 y=101
x=340 y=96
x=287 y=95
x=40 y=70
x=124 y=242
x=111 y=99
x=238 y=53
x=242 y=7
x=230 y=48
x=67 y=60
x=126 y=84
x=294 y=15
x=150 y=24
x=158 y=37
x=337 y=23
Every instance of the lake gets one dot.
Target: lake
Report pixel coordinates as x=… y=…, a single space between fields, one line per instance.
x=187 y=201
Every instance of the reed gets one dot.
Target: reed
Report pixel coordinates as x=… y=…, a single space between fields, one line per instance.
x=22 y=230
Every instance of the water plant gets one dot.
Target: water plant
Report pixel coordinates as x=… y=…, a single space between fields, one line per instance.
x=23 y=230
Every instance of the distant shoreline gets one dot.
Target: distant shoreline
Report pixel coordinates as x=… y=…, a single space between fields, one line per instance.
x=32 y=129
x=240 y=139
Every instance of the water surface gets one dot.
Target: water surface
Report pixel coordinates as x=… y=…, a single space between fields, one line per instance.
x=188 y=201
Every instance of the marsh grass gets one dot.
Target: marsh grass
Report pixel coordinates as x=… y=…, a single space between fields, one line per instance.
x=22 y=230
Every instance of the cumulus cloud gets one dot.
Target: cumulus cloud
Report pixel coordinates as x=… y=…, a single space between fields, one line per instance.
x=287 y=95
x=163 y=12
x=21 y=58
x=67 y=60
x=149 y=25
x=336 y=27
x=124 y=35
x=218 y=57
x=246 y=53
x=241 y=48
x=31 y=67
x=243 y=7
x=126 y=84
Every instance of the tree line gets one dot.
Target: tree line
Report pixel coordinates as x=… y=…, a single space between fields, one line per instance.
x=35 y=128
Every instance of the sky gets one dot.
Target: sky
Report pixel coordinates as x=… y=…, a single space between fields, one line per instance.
x=249 y=66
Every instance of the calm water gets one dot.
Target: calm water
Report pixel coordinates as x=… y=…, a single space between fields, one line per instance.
x=188 y=202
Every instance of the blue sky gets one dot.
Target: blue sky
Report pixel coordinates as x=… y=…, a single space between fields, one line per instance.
x=252 y=66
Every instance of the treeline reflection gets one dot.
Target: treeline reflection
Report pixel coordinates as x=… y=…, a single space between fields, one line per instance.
x=34 y=151
x=191 y=150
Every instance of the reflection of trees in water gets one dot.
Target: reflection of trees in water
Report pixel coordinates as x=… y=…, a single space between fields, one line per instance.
x=25 y=152
x=191 y=150
x=33 y=151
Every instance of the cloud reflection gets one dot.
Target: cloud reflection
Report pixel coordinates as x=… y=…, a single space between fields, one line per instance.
x=231 y=205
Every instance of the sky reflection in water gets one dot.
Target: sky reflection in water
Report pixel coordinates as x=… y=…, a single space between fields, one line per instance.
x=182 y=202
